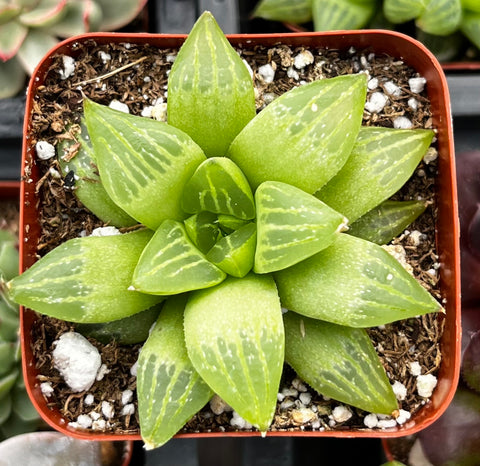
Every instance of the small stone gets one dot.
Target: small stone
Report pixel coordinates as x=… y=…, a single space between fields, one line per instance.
x=218 y=406
x=303 y=59
x=267 y=73
x=303 y=415
x=106 y=231
x=431 y=155
x=341 y=414
x=159 y=111
x=238 y=422
x=133 y=369
x=297 y=384
x=94 y=415
x=415 y=237
x=128 y=410
x=387 y=423
x=99 y=425
x=104 y=56
x=292 y=73
x=376 y=103
x=402 y=122
x=84 y=421
x=372 y=84
x=127 y=396
x=415 y=368
x=286 y=404
x=45 y=150
x=370 y=420
x=392 y=89
x=305 y=398
x=403 y=417
x=413 y=103
x=417 y=84
x=46 y=389
x=68 y=67
x=89 y=399
x=425 y=385
x=107 y=409
x=400 y=390
x=290 y=392
x=120 y=106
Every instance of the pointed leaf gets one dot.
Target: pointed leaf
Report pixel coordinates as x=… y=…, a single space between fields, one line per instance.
x=235 y=340
x=202 y=229
x=171 y=264
x=12 y=35
x=354 y=283
x=291 y=226
x=12 y=77
x=330 y=15
x=230 y=223
x=79 y=17
x=45 y=13
x=441 y=17
x=117 y=14
x=143 y=163
x=86 y=279
x=77 y=155
x=34 y=48
x=382 y=160
x=169 y=389
x=386 y=221
x=210 y=91
x=401 y=11
x=219 y=186
x=310 y=131
x=338 y=362
x=293 y=11
x=234 y=253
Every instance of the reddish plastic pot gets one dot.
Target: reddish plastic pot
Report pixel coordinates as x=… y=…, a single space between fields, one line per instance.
x=380 y=42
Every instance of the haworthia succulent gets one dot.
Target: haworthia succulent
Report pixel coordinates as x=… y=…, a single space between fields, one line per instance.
x=401 y=11
x=381 y=162
x=386 y=221
x=171 y=264
x=230 y=223
x=291 y=226
x=441 y=17
x=210 y=91
x=310 y=131
x=76 y=155
x=8 y=255
x=234 y=253
x=345 y=367
x=169 y=389
x=235 y=340
x=470 y=26
x=329 y=15
x=219 y=186
x=294 y=11
x=354 y=283
x=143 y=163
x=202 y=229
x=86 y=279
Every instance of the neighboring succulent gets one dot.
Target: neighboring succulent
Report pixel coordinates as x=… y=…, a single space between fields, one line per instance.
x=17 y=414
x=29 y=28
x=232 y=238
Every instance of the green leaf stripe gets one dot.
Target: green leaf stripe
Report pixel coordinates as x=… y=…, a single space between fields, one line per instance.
x=293 y=11
x=441 y=17
x=330 y=15
x=401 y=11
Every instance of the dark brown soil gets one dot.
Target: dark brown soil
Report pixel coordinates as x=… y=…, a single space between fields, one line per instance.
x=59 y=102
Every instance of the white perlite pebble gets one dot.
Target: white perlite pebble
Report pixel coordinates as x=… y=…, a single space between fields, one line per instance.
x=107 y=409
x=105 y=231
x=133 y=369
x=377 y=101
x=392 y=89
x=303 y=415
x=84 y=421
x=102 y=371
x=94 y=415
x=305 y=398
x=45 y=150
x=400 y=390
x=89 y=399
x=426 y=384
x=267 y=73
x=431 y=155
x=77 y=360
x=387 y=423
x=100 y=424
x=159 y=111
x=128 y=410
x=370 y=420
x=291 y=73
x=341 y=413
x=104 y=56
x=415 y=368
x=403 y=417
x=68 y=67
x=417 y=84
x=416 y=237
x=127 y=396
x=290 y=392
x=238 y=422
x=413 y=103
x=398 y=251
x=46 y=389
x=297 y=384
x=120 y=106
x=372 y=84
x=402 y=122
x=218 y=406
x=303 y=59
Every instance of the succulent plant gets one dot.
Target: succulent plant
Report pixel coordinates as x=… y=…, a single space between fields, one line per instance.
x=29 y=28
x=17 y=414
x=230 y=239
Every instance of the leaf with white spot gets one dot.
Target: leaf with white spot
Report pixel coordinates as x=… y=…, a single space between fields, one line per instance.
x=291 y=226
x=382 y=160
x=143 y=163
x=307 y=134
x=235 y=340
x=86 y=279
x=210 y=91
x=171 y=264
x=355 y=283
x=169 y=389
x=345 y=366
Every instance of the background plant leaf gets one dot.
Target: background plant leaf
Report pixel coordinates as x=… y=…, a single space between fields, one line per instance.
x=441 y=17
x=330 y=15
x=401 y=11
x=292 y=11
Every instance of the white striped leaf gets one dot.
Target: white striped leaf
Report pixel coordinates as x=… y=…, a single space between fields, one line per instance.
x=143 y=163
x=306 y=134
x=471 y=26
x=86 y=279
x=338 y=362
x=219 y=186
x=291 y=226
x=229 y=223
x=234 y=253
x=292 y=11
x=235 y=340
x=330 y=15
x=169 y=389
x=386 y=221
x=401 y=11
x=171 y=264
x=354 y=283
x=441 y=17
x=382 y=160
x=203 y=230
x=210 y=91
x=88 y=186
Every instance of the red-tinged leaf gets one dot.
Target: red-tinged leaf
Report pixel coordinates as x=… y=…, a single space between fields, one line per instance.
x=8 y=12
x=80 y=17
x=46 y=13
x=119 y=13
x=12 y=36
x=34 y=48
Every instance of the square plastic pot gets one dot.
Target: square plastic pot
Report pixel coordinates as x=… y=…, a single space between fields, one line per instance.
x=380 y=42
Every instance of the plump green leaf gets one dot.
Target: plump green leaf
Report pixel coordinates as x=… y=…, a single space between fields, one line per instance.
x=202 y=229
x=5 y=408
x=34 y=48
x=338 y=362
x=401 y=11
x=79 y=17
x=292 y=11
x=234 y=253
x=472 y=5
x=470 y=26
x=235 y=340
x=143 y=163
x=219 y=186
x=445 y=48
x=12 y=76
x=117 y=14
x=229 y=223
x=12 y=35
x=45 y=13
x=291 y=226
x=8 y=12
x=77 y=155
x=382 y=160
x=7 y=356
x=86 y=279
x=354 y=283
x=386 y=221
x=171 y=264
x=9 y=259
x=329 y=15
x=305 y=136
x=23 y=407
x=9 y=322
x=441 y=17
x=126 y=331
x=210 y=91
x=7 y=382
x=169 y=389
